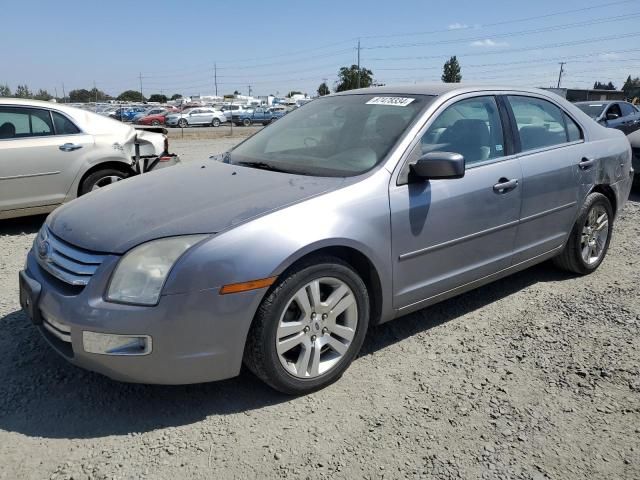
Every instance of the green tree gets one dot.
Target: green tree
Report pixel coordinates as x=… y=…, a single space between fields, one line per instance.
x=42 y=95
x=323 y=89
x=81 y=95
x=603 y=86
x=631 y=87
x=451 y=72
x=236 y=92
x=350 y=78
x=157 y=97
x=23 y=92
x=5 y=91
x=293 y=92
x=176 y=96
x=131 y=96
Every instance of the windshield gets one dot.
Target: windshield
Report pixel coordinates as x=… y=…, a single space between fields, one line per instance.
x=592 y=109
x=337 y=136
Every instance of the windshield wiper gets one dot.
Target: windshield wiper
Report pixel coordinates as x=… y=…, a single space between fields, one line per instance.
x=262 y=166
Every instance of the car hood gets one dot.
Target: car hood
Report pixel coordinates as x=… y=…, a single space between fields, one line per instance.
x=201 y=197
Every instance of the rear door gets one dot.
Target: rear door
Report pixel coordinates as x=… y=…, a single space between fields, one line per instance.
x=557 y=170
x=40 y=154
x=448 y=233
x=630 y=118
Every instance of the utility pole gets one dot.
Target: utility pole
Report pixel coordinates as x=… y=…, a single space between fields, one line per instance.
x=215 y=77
x=562 y=64
x=358 y=82
x=64 y=96
x=141 y=95
x=95 y=90
x=249 y=90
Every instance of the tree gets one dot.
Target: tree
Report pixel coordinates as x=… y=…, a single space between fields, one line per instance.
x=157 y=97
x=603 y=86
x=81 y=95
x=323 y=89
x=348 y=78
x=236 y=92
x=631 y=87
x=23 y=92
x=293 y=92
x=42 y=95
x=451 y=72
x=131 y=96
x=5 y=91
x=176 y=96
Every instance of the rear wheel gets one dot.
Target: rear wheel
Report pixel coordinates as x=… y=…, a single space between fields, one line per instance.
x=101 y=178
x=309 y=328
x=155 y=123
x=589 y=239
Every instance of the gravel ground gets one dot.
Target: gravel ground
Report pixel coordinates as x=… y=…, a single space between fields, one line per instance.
x=199 y=143
x=535 y=376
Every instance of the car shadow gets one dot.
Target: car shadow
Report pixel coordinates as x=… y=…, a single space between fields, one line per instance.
x=42 y=395
x=23 y=225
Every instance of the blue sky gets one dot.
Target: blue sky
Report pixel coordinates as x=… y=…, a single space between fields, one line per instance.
x=279 y=45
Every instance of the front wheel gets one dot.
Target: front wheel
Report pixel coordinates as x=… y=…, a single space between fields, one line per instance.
x=309 y=328
x=246 y=122
x=215 y=122
x=100 y=179
x=182 y=123
x=589 y=239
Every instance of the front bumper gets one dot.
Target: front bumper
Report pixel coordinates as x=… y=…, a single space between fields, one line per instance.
x=196 y=337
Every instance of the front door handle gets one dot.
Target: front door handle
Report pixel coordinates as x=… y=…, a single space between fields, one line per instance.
x=586 y=163
x=505 y=185
x=69 y=147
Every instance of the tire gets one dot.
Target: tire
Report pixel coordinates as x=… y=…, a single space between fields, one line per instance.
x=572 y=257
x=182 y=123
x=261 y=353
x=155 y=123
x=215 y=122
x=101 y=178
x=246 y=122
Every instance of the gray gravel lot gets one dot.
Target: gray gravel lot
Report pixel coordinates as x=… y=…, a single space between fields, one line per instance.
x=535 y=376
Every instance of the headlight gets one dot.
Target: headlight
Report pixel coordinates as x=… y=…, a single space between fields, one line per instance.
x=141 y=273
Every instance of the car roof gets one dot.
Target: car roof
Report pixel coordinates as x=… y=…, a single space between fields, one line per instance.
x=599 y=102
x=437 y=89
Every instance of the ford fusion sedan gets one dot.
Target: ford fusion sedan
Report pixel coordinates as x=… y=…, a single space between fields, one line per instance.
x=350 y=211
x=52 y=153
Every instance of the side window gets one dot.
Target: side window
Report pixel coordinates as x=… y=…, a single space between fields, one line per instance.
x=627 y=109
x=540 y=123
x=574 y=133
x=615 y=109
x=470 y=127
x=16 y=122
x=63 y=125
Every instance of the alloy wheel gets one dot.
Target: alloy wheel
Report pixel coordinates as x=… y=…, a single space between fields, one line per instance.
x=104 y=181
x=317 y=327
x=594 y=234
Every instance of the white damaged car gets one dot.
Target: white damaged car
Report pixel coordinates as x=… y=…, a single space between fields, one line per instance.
x=52 y=153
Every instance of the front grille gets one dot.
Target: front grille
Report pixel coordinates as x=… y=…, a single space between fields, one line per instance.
x=70 y=264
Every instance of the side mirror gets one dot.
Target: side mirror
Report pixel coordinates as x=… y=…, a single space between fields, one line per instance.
x=612 y=116
x=439 y=165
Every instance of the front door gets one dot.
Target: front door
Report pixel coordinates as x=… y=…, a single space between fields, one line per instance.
x=447 y=233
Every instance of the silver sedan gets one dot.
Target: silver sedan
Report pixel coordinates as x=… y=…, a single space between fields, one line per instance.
x=353 y=210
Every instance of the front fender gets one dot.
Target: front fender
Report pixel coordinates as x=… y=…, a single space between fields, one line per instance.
x=356 y=216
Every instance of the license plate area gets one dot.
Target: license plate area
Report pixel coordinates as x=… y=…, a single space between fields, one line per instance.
x=29 y=297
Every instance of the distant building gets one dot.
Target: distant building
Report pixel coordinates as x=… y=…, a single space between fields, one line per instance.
x=585 y=95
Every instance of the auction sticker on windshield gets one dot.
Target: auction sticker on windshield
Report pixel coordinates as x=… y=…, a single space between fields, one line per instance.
x=395 y=101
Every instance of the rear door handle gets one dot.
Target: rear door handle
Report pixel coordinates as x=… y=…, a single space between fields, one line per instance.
x=505 y=185
x=69 y=147
x=586 y=163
